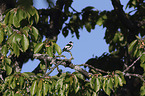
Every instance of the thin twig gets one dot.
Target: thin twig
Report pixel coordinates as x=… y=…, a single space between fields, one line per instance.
x=135 y=75
x=132 y=64
x=74 y=9
x=53 y=68
x=94 y=68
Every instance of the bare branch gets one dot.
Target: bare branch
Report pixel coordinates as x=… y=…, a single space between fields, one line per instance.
x=140 y=23
x=132 y=64
x=94 y=68
x=135 y=75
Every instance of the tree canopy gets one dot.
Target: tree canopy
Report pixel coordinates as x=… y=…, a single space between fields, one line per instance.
x=23 y=29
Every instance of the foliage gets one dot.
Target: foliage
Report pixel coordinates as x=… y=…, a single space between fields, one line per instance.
x=23 y=28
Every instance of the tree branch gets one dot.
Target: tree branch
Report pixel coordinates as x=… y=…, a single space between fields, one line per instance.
x=94 y=68
x=135 y=75
x=121 y=14
x=132 y=64
x=64 y=62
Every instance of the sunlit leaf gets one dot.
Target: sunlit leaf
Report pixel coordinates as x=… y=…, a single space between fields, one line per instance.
x=4 y=50
x=39 y=89
x=20 y=14
x=33 y=88
x=11 y=17
x=142 y=90
x=97 y=84
x=13 y=85
x=110 y=83
x=116 y=80
x=45 y=88
x=36 y=16
x=6 y=20
x=25 y=43
x=57 y=48
x=132 y=45
x=21 y=80
x=35 y=33
x=50 y=51
x=120 y=81
x=16 y=22
x=8 y=61
x=38 y=47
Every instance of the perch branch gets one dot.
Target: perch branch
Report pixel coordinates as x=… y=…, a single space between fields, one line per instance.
x=131 y=64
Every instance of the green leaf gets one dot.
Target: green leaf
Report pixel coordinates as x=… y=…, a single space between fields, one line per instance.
x=50 y=51
x=1 y=36
x=132 y=45
x=31 y=10
x=13 y=85
x=110 y=83
x=97 y=84
x=111 y=48
x=7 y=18
x=142 y=90
x=120 y=81
x=57 y=48
x=38 y=47
x=92 y=82
x=26 y=29
x=76 y=84
x=4 y=50
x=116 y=38
x=116 y=80
x=106 y=87
x=142 y=58
x=20 y=15
x=88 y=26
x=9 y=30
x=36 y=16
x=33 y=88
x=11 y=17
x=16 y=49
x=122 y=77
x=18 y=38
x=16 y=22
x=8 y=61
x=80 y=76
x=39 y=89
x=35 y=33
x=8 y=69
x=21 y=80
x=59 y=84
x=45 y=88
x=25 y=43
x=99 y=21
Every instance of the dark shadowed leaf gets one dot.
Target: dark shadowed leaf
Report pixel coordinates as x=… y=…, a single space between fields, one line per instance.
x=1 y=36
x=8 y=69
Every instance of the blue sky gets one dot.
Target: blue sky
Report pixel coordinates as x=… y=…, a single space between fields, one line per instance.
x=89 y=44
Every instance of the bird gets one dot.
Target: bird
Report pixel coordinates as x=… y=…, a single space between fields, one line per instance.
x=68 y=47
